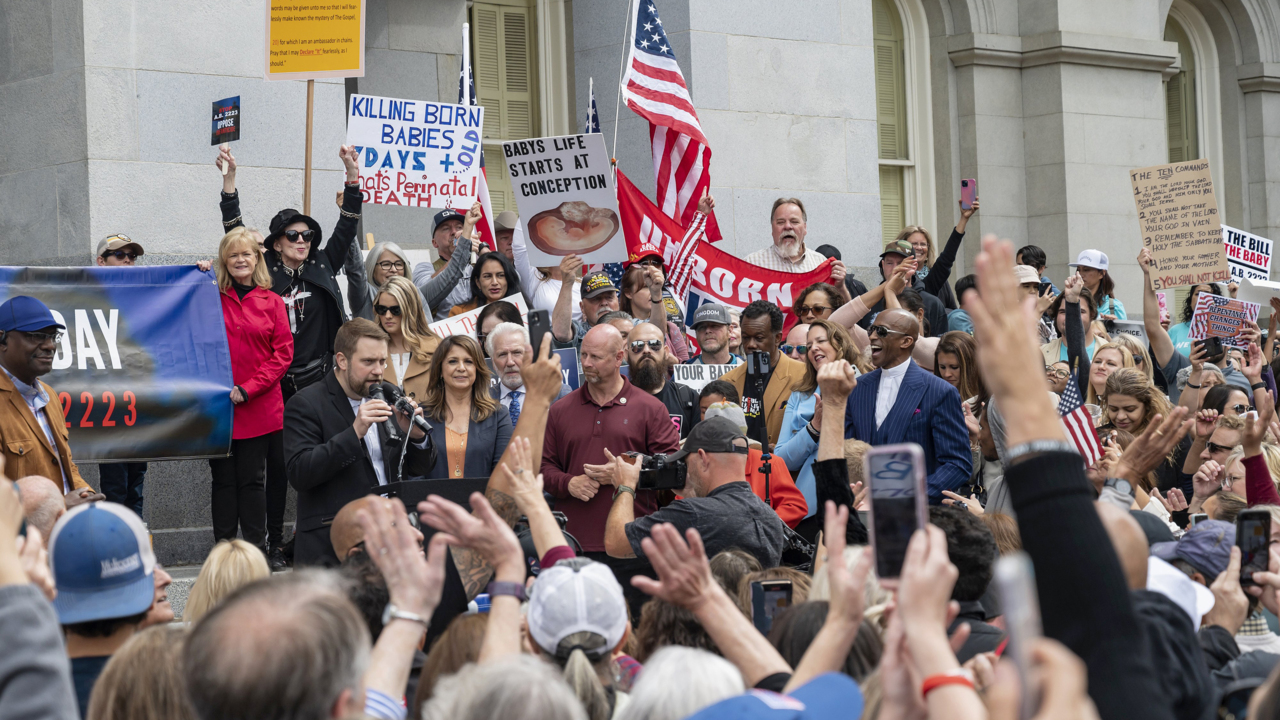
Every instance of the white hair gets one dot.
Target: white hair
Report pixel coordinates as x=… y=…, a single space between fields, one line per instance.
x=677 y=682
x=519 y=687
x=501 y=329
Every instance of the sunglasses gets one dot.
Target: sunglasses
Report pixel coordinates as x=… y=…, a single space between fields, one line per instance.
x=1216 y=448
x=802 y=349
x=882 y=331
x=814 y=309
x=1240 y=408
x=638 y=346
x=651 y=262
x=294 y=235
x=384 y=309
x=41 y=338
x=121 y=255
x=387 y=265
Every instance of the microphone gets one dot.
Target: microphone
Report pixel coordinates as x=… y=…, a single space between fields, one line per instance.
x=402 y=404
x=376 y=393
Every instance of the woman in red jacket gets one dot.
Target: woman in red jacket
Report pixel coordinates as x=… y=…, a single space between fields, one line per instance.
x=261 y=351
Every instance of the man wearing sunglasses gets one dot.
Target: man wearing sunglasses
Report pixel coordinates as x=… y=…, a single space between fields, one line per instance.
x=899 y=402
x=118 y=250
x=795 y=347
x=646 y=354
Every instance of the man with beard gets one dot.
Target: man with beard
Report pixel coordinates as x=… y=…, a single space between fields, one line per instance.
x=789 y=224
x=645 y=352
x=899 y=402
x=711 y=324
x=505 y=344
x=762 y=333
x=338 y=443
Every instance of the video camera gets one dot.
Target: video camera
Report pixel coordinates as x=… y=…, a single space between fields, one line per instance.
x=659 y=473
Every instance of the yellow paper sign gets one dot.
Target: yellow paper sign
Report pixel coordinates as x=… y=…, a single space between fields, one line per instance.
x=320 y=39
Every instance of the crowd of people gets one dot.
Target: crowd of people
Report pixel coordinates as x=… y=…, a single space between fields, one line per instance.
x=477 y=539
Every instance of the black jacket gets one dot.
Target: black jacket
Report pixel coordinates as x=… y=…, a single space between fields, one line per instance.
x=1182 y=672
x=329 y=465
x=936 y=283
x=934 y=311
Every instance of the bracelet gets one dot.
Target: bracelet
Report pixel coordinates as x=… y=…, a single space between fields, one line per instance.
x=1038 y=446
x=1192 y=385
x=232 y=222
x=623 y=488
x=349 y=214
x=514 y=589
x=959 y=676
x=1257 y=386
x=352 y=183
x=815 y=434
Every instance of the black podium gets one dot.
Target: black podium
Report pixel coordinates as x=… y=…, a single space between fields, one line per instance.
x=412 y=492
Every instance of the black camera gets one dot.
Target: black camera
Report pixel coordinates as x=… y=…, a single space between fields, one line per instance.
x=657 y=472
x=757 y=363
x=525 y=536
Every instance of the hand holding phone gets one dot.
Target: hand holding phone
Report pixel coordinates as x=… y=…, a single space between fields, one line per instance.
x=539 y=326
x=1015 y=580
x=1253 y=537
x=968 y=191
x=899 y=503
x=768 y=599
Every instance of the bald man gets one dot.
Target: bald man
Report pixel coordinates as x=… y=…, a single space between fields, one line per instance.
x=345 y=533
x=899 y=402
x=42 y=503
x=1129 y=541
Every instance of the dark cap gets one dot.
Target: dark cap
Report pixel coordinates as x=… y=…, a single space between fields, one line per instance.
x=710 y=313
x=1207 y=546
x=899 y=247
x=1154 y=528
x=26 y=314
x=284 y=219
x=715 y=435
x=443 y=215
x=596 y=283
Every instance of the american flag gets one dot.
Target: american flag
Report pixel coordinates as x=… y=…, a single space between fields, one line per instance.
x=467 y=96
x=1078 y=423
x=592 y=125
x=654 y=88
x=680 y=268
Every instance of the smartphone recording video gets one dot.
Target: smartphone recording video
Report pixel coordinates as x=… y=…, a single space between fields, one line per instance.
x=899 y=503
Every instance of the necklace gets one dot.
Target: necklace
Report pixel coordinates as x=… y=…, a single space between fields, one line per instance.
x=456 y=443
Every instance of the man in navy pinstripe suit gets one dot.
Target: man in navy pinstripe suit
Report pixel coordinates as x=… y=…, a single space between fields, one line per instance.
x=900 y=402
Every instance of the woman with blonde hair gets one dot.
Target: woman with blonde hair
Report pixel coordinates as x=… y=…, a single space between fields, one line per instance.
x=231 y=565
x=934 y=271
x=261 y=345
x=399 y=311
x=469 y=425
x=1130 y=403
x=1141 y=358
x=143 y=680
x=1106 y=360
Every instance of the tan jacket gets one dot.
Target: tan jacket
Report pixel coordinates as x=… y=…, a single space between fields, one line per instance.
x=414 y=382
x=23 y=442
x=786 y=376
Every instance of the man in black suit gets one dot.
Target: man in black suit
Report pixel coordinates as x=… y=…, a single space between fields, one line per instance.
x=337 y=441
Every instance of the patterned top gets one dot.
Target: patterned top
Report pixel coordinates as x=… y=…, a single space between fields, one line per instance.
x=771 y=258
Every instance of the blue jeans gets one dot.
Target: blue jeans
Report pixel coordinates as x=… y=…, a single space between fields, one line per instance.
x=122 y=483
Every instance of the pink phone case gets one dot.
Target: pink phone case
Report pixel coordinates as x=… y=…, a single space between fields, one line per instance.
x=968 y=191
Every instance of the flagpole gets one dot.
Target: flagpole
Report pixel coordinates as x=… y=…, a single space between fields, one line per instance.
x=591 y=93
x=622 y=67
x=466 y=94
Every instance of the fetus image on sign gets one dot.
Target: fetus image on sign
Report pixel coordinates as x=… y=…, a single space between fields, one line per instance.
x=573 y=227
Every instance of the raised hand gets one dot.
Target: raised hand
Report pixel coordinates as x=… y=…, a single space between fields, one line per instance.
x=414 y=582
x=350 y=161
x=1145 y=260
x=1044 y=300
x=541 y=375
x=1230 y=606
x=966 y=214
x=1256 y=424
x=1072 y=288
x=1206 y=481
x=706 y=204
x=1174 y=502
x=971 y=422
x=848 y=588
x=684 y=575
x=571 y=268
x=525 y=485
x=1206 y=421
x=1253 y=363
x=836 y=380
x=226 y=162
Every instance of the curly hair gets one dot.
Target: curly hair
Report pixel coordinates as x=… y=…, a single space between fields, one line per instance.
x=971 y=547
x=760 y=308
x=833 y=296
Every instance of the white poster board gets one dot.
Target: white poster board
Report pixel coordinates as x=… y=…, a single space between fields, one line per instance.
x=465 y=324
x=696 y=375
x=564 y=189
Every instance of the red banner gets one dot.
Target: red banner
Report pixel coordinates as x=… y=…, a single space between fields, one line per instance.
x=718 y=277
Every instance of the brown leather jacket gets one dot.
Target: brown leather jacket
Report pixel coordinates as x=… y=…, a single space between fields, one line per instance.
x=23 y=443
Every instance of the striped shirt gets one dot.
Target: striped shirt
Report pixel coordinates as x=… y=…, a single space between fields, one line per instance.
x=771 y=258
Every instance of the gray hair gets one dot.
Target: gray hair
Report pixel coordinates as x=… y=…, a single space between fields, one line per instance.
x=614 y=315
x=502 y=329
x=678 y=682
x=277 y=649
x=519 y=687
x=371 y=261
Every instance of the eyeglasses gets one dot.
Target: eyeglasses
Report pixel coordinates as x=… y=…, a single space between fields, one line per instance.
x=294 y=235
x=1240 y=408
x=384 y=309
x=41 y=338
x=1216 y=448
x=1058 y=373
x=814 y=309
x=388 y=265
x=882 y=331
x=121 y=255
x=802 y=349
x=638 y=346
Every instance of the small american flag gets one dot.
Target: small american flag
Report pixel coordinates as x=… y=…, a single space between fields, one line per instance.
x=1078 y=423
x=592 y=124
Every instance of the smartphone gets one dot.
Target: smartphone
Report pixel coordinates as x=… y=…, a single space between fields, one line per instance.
x=899 y=503
x=1015 y=580
x=1253 y=537
x=1044 y=285
x=968 y=192
x=768 y=599
x=1198 y=517
x=1212 y=348
x=539 y=325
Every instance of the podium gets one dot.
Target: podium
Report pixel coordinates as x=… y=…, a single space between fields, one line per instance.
x=412 y=492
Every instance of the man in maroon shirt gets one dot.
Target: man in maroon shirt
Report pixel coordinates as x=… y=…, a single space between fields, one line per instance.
x=606 y=412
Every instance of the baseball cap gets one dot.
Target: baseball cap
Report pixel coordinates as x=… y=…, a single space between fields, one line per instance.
x=901 y=247
x=730 y=411
x=1091 y=258
x=25 y=313
x=1207 y=546
x=595 y=283
x=1154 y=528
x=506 y=220
x=715 y=435
x=573 y=596
x=827 y=696
x=1026 y=274
x=443 y=215
x=710 y=313
x=645 y=250
x=102 y=564
x=117 y=242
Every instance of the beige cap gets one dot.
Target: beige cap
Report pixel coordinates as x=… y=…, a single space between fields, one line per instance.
x=1026 y=274
x=506 y=220
x=117 y=242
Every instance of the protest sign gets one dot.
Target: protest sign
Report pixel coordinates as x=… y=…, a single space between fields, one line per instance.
x=416 y=153
x=1180 y=224
x=226 y=121
x=1259 y=291
x=563 y=187
x=568 y=369
x=1133 y=328
x=142 y=371
x=1248 y=255
x=1218 y=316
x=322 y=39
x=697 y=375
x=465 y=324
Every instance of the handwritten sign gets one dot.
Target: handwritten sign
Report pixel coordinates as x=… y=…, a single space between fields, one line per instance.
x=697 y=376
x=465 y=324
x=1248 y=255
x=226 y=121
x=564 y=189
x=1180 y=224
x=416 y=153
x=1218 y=316
x=322 y=39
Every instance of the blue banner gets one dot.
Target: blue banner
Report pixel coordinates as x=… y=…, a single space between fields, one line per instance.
x=143 y=371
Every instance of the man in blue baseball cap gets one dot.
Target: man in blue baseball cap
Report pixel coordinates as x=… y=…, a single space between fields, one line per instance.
x=108 y=583
x=451 y=232
x=33 y=431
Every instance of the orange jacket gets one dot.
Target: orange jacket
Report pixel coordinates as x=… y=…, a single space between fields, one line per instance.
x=785 y=498
x=23 y=442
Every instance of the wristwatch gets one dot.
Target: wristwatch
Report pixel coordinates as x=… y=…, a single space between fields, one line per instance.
x=1120 y=484
x=623 y=488
x=514 y=589
x=394 y=613
x=1257 y=386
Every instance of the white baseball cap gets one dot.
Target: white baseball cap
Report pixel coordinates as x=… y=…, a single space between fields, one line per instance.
x=573 y=596
x=1092 y=259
